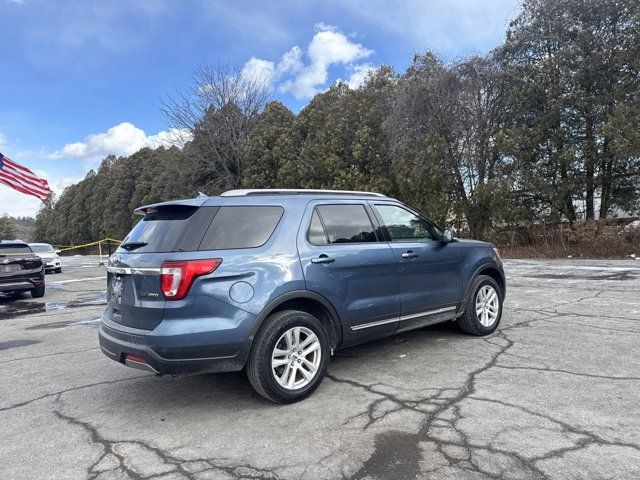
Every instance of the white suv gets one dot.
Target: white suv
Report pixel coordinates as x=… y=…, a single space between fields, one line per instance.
x=49 y=257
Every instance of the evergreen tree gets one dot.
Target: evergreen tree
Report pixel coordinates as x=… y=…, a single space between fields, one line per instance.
x=7 y=228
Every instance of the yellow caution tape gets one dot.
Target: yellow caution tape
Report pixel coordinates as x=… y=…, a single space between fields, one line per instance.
x=74 y=247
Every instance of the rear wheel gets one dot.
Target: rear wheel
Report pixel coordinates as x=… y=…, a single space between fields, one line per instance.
x=483 y=309
x=38 y=292
x=289 y=357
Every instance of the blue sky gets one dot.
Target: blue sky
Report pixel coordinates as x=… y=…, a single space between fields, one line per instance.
x=83 y=79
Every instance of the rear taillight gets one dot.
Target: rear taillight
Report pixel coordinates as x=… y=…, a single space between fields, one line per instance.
x=176 y=278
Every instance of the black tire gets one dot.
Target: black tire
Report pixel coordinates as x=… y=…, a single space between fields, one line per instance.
x=58 y=270
x=469 y=321
x=259 y=369
x=38 y=292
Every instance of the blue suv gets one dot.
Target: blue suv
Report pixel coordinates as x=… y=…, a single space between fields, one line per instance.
x=273 y=281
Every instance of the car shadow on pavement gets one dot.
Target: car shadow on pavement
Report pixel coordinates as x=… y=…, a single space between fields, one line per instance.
x=231 y=391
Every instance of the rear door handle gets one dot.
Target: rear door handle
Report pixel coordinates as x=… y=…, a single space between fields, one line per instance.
x=409 y=254
x=323 y=259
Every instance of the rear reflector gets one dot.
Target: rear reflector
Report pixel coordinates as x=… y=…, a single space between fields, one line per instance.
x=134 y=358
x=176 y=278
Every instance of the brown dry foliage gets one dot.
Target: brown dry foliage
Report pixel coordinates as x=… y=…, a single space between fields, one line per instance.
x=586 y=239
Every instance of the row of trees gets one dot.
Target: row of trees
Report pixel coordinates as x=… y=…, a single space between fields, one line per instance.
x=12 y=228
x=545 y=128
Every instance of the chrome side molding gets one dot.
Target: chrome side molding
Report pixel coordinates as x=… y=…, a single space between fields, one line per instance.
x=402 y=318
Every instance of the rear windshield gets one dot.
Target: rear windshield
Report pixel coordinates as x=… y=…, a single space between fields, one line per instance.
x=159 y=230
x=179 y=228
x=241 y=227
x=41 y=248
x=15 y=248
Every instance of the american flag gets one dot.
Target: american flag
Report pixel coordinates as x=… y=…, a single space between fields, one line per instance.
x=22 y=179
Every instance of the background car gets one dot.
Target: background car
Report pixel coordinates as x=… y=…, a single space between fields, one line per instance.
x=20 y=269
x=48 y=255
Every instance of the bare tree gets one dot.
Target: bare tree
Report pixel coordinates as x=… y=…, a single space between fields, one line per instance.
x=218 y=112
x=444 y=122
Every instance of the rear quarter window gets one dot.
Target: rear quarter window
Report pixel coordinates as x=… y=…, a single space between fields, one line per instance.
x=241 y=227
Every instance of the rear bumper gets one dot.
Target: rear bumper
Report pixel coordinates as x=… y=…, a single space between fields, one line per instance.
x=119 y=344
x=21 y=283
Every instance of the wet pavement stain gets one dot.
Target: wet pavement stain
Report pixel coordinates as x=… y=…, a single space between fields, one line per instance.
x=621 y=276
x=91 y=322
x=17 y=343
x=398 y=456
x=17 y=309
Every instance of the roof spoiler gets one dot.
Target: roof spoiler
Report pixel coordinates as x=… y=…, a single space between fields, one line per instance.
x=188 y=202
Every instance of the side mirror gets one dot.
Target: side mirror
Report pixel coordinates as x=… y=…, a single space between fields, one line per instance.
x=447 y=236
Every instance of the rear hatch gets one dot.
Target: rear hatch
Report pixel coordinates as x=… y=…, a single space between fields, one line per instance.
x=134 y=295
x=16 y=260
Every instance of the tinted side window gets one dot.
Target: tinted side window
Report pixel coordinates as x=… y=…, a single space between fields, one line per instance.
x=404 y=226
x=317 y=235
x=346 y=223
x=194 y=230
x=241 y=227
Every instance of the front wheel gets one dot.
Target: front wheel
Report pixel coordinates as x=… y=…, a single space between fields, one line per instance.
x=289 y=357
x=483 y=309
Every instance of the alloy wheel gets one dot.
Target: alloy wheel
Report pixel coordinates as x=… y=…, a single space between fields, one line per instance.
x=296 y=358
x=487 y=305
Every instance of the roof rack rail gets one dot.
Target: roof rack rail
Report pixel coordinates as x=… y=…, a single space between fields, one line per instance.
x=293 y=191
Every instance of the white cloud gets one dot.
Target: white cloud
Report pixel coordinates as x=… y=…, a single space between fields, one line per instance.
x=17 y=204
x=120 y=140
x=291 y=62
x=327 y=47
x=359 y=73
x=259 y=71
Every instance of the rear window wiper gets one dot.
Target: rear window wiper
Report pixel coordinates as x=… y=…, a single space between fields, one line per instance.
x=133 y=245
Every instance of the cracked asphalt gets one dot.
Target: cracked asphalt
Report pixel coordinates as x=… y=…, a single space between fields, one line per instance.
x=554 y=393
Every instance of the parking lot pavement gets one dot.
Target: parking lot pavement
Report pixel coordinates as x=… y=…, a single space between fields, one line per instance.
x=553 y=394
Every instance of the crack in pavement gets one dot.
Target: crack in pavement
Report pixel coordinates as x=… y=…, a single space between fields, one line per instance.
x=48 y=355
x=398 y=454
x=173 y=463
x=592 y=438
x=72 y=389
x=568 y=372
x=572 y=314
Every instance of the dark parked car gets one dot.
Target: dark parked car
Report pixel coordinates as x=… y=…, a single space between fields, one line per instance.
x=20 y=269
x=274 y=281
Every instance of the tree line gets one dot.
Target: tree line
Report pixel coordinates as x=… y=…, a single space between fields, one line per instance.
x=545 y=128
